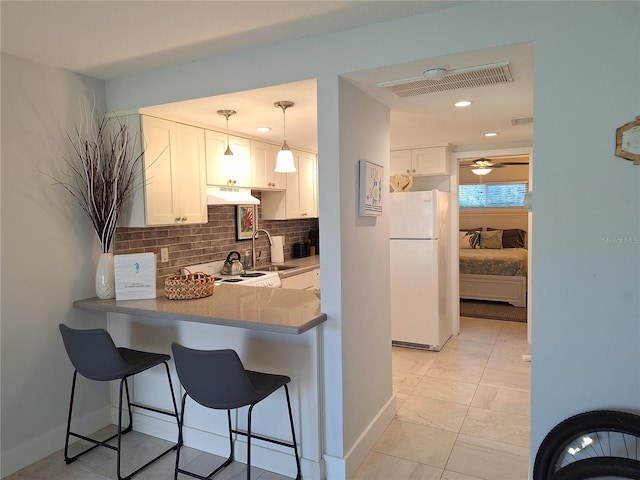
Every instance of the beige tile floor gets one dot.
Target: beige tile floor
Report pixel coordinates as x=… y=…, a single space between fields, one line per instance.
x=462 y=414
x=100 y=464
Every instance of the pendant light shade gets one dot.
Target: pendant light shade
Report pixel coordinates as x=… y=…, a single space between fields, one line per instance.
x=284 y=162
x=227 y=164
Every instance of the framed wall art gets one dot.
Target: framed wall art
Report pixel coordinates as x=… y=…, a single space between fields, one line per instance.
x=371 y=181
x=246 y=221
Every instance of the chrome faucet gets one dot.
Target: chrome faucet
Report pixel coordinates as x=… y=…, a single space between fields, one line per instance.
x=253 y=245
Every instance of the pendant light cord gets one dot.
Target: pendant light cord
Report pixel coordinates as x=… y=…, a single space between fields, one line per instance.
x=227 y=116
x=284 y=124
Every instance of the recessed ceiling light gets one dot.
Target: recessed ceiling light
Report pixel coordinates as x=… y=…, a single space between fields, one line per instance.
x=264 y=129
x=463 y=103
x=490 y=134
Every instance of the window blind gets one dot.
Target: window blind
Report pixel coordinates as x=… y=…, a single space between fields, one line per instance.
x=492 y=195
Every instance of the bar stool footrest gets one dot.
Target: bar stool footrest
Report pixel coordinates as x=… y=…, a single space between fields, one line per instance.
x=265 y=439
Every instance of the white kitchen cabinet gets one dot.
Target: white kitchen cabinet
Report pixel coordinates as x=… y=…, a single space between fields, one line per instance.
x=303 y=281
x=234 y=171
x=263 y=163
x=174 y=173
x=420 y=161
x=307 y=184
x=300 y=199
x=400 y=162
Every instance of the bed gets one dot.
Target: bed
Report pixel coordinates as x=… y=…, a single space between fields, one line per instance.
x=496 y=269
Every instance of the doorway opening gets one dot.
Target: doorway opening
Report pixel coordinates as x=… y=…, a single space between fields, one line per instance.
x=506 y=223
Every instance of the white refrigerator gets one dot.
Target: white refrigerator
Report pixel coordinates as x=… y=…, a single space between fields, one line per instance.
x=420 y=272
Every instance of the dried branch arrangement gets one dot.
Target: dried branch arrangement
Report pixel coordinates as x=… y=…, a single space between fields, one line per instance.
x=102 y=173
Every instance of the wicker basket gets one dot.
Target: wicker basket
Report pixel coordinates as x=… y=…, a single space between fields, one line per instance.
x=188 y=286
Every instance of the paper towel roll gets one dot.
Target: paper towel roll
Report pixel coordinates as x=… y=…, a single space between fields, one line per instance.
x=277 y=249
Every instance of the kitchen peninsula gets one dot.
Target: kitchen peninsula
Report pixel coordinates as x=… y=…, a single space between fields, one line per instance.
x=273 y=330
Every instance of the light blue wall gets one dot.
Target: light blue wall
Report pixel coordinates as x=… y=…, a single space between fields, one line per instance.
x=49 y=256
x=586 y=221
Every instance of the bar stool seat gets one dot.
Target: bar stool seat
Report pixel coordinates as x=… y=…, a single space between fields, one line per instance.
x=217 y=379
x=94 y=355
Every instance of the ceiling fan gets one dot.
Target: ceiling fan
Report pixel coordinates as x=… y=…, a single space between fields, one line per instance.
x=483 y=166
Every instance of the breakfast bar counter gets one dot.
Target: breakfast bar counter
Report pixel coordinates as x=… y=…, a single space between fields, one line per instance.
x=269 y=309
x=273 y=330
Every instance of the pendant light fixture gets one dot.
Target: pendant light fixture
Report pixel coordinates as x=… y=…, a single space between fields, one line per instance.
x=227 y=114
x=284 y=162
x=226 y=163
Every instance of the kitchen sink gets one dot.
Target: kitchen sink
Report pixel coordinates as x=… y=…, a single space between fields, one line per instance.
x=273 y=268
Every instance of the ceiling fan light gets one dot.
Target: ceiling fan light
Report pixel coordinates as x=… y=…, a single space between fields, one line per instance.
x=481 y=170
x=284 y=161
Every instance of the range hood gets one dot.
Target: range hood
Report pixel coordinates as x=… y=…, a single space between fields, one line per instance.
x=230 y=196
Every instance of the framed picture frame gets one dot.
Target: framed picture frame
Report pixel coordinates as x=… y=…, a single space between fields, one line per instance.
x=371 y=188
x=246 y=221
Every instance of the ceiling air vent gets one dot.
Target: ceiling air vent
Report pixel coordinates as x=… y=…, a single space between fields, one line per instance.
x=468 y=77
x=521 y=121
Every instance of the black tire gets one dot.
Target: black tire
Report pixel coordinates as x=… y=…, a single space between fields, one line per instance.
x=599 y=467
x=553 y=447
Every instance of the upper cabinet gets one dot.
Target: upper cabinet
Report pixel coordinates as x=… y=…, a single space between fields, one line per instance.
x=300 y=199
x=181 y=160
x=421 y=161
x=230 y=171
x=307 y=165
x=192 y=191
x=263 y=163
x=173 y=174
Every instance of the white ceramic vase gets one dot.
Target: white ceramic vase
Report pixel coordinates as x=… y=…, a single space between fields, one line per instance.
x=105 y=277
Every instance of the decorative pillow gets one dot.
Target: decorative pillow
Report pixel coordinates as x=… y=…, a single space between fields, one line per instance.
x=491 y=239
x=469 y=239
x=512 y=238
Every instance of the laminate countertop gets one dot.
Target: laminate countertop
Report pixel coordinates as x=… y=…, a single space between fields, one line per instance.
x=278 y=310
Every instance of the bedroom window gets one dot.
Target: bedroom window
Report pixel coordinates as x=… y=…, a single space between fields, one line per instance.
x=492 y=195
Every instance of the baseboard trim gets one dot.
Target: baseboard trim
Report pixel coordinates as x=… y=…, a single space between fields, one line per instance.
x=343 y=468
x=266 y=456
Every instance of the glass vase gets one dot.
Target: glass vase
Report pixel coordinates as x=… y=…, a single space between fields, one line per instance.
x=105 y=277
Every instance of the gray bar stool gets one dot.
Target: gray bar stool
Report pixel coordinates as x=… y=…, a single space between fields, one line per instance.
x=95 y=356
x=217 y=379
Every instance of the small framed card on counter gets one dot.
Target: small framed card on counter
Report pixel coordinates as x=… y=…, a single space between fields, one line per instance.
x=135 y=276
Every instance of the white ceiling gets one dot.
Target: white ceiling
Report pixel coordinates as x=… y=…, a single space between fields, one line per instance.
x=153 y=34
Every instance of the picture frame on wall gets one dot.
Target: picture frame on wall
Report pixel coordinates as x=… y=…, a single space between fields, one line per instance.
x=246 y=221
x=371 y=188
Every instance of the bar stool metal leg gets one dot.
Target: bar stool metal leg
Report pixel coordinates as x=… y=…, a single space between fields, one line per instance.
x=124 y=383
x=293 y=434
x=226 y=463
